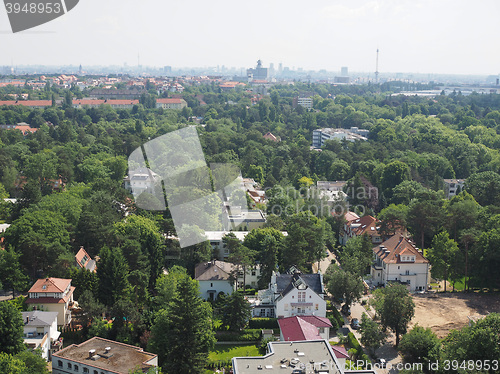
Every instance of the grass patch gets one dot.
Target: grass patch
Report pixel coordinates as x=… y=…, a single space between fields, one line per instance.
x=223 y=352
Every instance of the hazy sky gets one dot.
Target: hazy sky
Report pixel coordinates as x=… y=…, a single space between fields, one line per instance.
x=425 y=36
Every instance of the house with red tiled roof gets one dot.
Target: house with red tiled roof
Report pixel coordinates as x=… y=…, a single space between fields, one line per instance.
x=84 y=261
x=398 y=260
x=271 y=136
x=304 y=328
x=366 y=225
x=52 y=295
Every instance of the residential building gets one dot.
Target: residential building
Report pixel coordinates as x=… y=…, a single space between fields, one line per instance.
x=332 y=191
x=453 y=187
x=366 y=225
x=40 y=332
x=237 y=218
x=171 y=103
x=270 y=136
x=298 y=357
x=102 y=356
x=216 y=241
x=84 y=261
x=23 y=127
x=107 y=94
x=305 y=102
x=33 y=104
x=52 y=295
x=215 y=277
x=352 y=134
x=95 y=103
x=141 y=180
x=289 y=295
x=299 y=328
x=398 y=260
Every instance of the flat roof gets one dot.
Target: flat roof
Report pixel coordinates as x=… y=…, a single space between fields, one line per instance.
x=122 y=358
x=284 y=357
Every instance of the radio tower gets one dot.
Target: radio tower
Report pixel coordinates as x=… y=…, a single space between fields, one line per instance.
x=376 y=69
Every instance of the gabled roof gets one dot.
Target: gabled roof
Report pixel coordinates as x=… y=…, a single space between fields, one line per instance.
x=84 y=261
x=297 y=329
x=391 y=250
x=363 y=225
x=215 y=270
x=50 y=285
x=286 y=282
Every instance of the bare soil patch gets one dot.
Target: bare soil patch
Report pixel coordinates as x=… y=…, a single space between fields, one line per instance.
x=443 y=312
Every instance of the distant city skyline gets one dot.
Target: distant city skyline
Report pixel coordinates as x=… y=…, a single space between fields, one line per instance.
x=419 y=36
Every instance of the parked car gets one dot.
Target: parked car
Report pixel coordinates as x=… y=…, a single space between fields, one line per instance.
x=355 y=323
x=381 y=363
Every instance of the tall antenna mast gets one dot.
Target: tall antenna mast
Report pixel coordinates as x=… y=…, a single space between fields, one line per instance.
x=376 y=69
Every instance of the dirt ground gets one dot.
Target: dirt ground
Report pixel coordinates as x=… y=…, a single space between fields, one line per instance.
x=444 y=312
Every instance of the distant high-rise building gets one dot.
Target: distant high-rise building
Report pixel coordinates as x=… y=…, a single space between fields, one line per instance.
x=344 y=71
x=259 y=73
x=280 y=68
x=167 y=69
x=271 y=69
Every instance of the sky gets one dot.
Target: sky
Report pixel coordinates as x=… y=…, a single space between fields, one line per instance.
x=419 y=36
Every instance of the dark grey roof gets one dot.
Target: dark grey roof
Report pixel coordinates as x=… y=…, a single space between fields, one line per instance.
x=286 y=282
x=38 y=318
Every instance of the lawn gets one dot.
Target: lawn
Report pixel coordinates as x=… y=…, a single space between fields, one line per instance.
x=223 y=352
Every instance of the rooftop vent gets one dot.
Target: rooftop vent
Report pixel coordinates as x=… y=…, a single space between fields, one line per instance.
x=107 y=349
x=91 y=353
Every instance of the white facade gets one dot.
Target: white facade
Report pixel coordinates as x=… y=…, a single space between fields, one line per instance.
x=210 y=289
x=397 y=260
x=453 y=187
x=40 y=331
x=300 y=302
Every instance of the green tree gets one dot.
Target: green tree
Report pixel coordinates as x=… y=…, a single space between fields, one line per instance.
x=372 y=335
x=11 y=275
x=243 y=257
x=343 y=285
x=443 y=256
x=485 y=187
x=236 y=311
x=11 y=365
x=395 y=307
x=357 y=255
x=11 y=329
x=420 y=345
x=182 y=333
x=34 y=362
x=112 y=271
x=393 y=219
x=393 y=174
x=478 y=342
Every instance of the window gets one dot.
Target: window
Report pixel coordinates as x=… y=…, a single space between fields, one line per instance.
x=59 y=363
x=95 y=372
x=407 y=272
x=69 y=365
x=316 y=307
x=253 y=272
x=286 y=306
x=85 y=370
x=302 y=297
x=76 y=367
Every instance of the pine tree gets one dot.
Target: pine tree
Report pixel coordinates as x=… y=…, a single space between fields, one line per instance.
x=182 y=333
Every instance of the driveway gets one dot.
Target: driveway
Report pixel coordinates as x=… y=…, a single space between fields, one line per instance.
x=323 y=265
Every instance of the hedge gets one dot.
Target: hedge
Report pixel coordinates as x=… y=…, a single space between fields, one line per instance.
x=338 y=317
x=248 y=335
x=263 y=323
x=354 y=344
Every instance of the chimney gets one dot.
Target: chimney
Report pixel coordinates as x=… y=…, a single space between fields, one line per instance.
x=107 y=349
x=91 y=353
